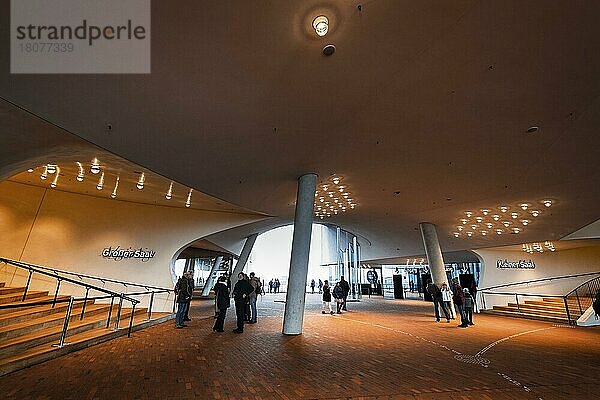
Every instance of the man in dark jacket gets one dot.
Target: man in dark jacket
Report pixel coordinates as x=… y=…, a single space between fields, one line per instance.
x=183 y=297
x=222 y=300
x=241 y=291
x=190 y=277
x=436 y=295
x=459 y=299
x=346 y=288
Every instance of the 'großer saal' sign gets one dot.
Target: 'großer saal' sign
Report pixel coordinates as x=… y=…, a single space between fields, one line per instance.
x=119 y=254
x=520 y=264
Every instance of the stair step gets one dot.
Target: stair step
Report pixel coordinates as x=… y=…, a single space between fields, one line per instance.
x=43 y=322
x=23 y=304
x=12 y=297
x=538 y=307
x=16 y=315
x=8 y=290
x=526 y=316
x=49 y=335
x=514 y=310
x=77 y=341
x=545 y=303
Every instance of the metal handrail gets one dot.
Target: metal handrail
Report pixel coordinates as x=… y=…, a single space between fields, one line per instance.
x=109 y=294
x=79 y=275
x=540 y=280
x=565 y=297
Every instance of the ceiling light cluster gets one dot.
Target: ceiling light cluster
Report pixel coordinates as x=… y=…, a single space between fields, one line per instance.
x=505 y=218
x=332 y=197
x=415 y=261
x=49 y=170
x=531 y=247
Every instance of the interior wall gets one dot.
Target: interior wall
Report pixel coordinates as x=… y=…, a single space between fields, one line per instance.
x=69 y=231
x=548 y=264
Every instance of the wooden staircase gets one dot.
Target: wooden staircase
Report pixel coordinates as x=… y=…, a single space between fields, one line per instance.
x=547 y=309
x=27 y=334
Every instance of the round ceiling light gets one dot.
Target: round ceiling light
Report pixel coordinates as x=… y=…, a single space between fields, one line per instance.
x=321 y=25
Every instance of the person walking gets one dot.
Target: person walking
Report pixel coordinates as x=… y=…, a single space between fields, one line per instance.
x=346 y=289
x=222 y=301
x=469 y=305
x=320 y=286
x=312 y=286
x=183 y=296
x=338 y=294
x=257 y=289
x=436 y=295
x=447 y=299
x=241 y=291
x=190 y=277
x=459 y=298
x=326 y=298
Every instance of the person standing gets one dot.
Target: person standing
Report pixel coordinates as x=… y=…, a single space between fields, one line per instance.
x=190 y=277
x=222 y=301
x=469 y=304
x=256 y=286
x=459 y=298
x=338 y=294
x=320 y=286
x=312 y=286
x=241 y=291
x=277 y=285
x=326 y=298
x=183 y=296
x=346 y=289
x=447 y=299
x=271 y=285
x=436 y=295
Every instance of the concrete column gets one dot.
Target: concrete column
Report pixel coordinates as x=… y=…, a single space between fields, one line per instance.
x=296 y=289
x=210 y=279
x=434 y=254
x=244 y=255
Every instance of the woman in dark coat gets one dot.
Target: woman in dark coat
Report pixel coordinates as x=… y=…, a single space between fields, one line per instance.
x=326 y=298
x=222 y=300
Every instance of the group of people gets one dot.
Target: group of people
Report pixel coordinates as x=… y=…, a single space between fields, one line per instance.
x=463 y=298
x=184 y=290
x=313 y=284
x=245 y=293
x=340 y=294
x=274 y=285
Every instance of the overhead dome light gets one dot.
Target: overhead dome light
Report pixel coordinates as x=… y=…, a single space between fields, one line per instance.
x=140 y=183
x=336 y=179
x=30 y=170
x=321 y=25
x=95 y=168
x=44 y=175
x=100 y=184
x=524 y=206
x=485 y=211
x=496 y=217
x=188 y=202
x=80 y=173
x=547 y=203
x=114 y=192
x=51 y=168
x=478 y=219
x=503 y=208
x=169 y=192
x=535 y=213
x=55 y=181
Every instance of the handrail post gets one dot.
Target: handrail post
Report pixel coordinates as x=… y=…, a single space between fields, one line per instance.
x=112 y=300
x=63 y=334
x=150 y=306
x=27 y=286
x=119 y=312
x=568 y=313
x=578 y=302
x=131 y=319
x=56 y=292
x=518 y=308
x=87 y=290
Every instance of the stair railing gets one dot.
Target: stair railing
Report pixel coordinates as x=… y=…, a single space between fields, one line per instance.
x=59 y=276
x=582 y=297
x=583 y=294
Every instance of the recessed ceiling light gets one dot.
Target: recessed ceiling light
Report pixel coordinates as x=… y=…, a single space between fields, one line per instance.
x=140 y=183
x=485 y=211
x=321 y=25
x=547 y=202
x=95 y=168
x=533 y=129
x=535 y=213
x=524 y=206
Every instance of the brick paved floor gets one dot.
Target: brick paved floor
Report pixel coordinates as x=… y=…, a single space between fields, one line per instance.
x=380 y=349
